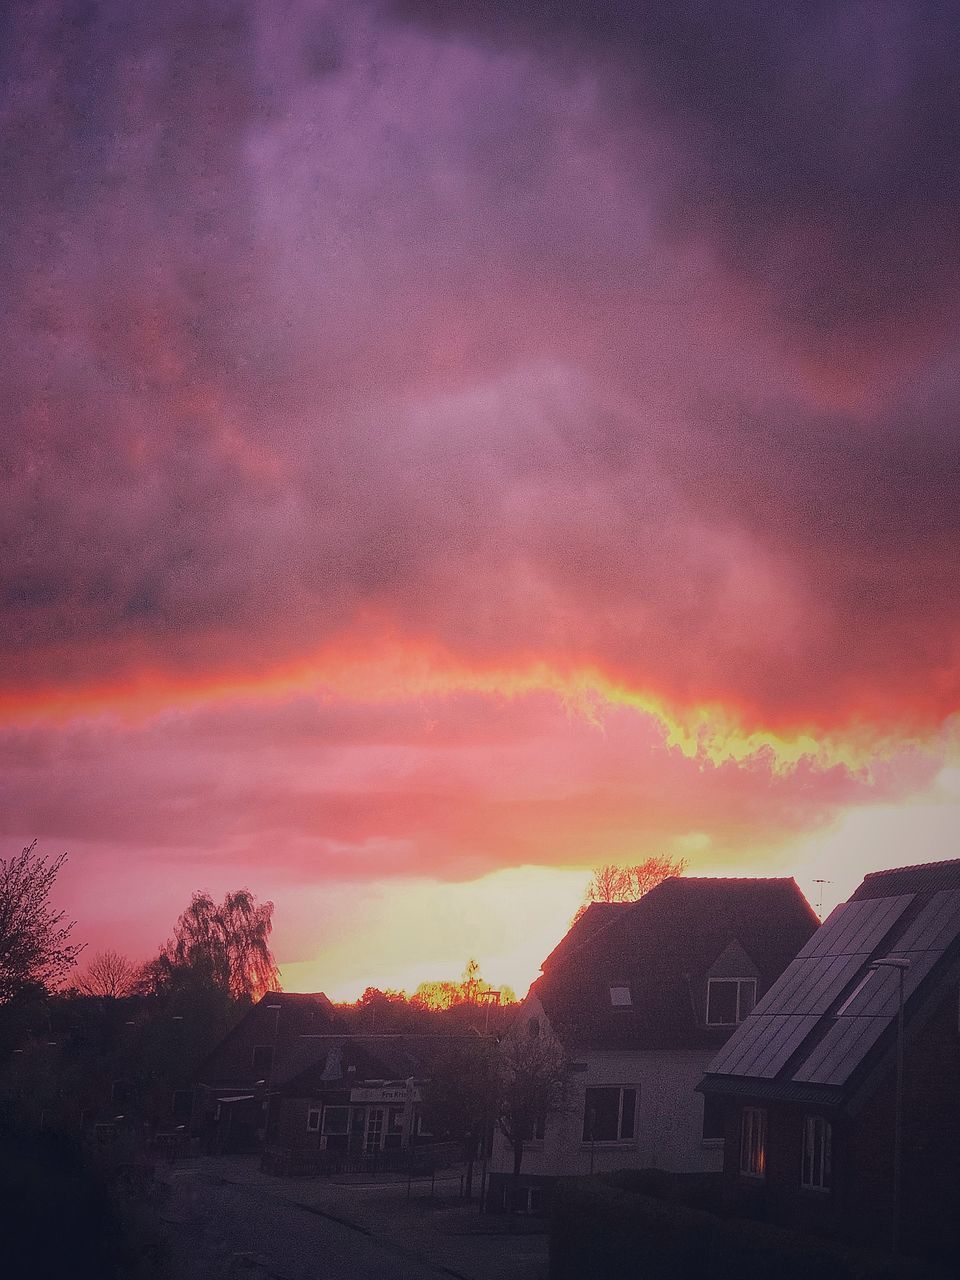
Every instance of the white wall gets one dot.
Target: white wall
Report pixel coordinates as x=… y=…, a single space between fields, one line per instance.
x=669 y=1117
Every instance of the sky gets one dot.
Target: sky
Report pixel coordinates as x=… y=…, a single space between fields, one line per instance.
x=447 y=447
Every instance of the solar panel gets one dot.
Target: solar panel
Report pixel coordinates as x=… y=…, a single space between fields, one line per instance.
x=841 y=1050
x=873 y=1006
x=857 y=926
x=936 y=926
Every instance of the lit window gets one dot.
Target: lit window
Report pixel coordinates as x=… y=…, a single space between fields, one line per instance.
x=753 y=1142
x=817 y=1155
x=730 y=1000
x=610 y=1114
x=313 y=1119
x=620 y=997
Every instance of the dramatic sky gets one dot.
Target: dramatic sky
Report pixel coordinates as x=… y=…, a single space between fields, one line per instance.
x=444 y=449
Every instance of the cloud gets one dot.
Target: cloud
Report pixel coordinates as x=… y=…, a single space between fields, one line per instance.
x=617 y=347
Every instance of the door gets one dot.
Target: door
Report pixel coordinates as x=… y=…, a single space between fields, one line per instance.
x=374 y=1138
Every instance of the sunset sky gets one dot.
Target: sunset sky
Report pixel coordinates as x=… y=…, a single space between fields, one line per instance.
x=444 y=450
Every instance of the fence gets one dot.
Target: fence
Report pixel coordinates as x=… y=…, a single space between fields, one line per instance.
x=417 y=1162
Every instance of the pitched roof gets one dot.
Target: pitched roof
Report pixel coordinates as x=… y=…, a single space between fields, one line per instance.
x=597 y=916
x=278 y=1018
x=313 y=1062
x=662 y=948
x=829 y=1019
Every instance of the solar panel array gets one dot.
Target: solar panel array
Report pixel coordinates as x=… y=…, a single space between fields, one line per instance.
x=863 y=1018
x=810 y=986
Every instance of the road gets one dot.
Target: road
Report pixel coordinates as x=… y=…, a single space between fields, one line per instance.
x=219 y=1231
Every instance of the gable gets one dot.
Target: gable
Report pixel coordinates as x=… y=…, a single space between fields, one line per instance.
x=733 y=962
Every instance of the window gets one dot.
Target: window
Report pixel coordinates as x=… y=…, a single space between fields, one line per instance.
x=610 y=1114
x=336 y=1120
x=753 y=1142
x=313 y=1119
x=263 y=1057
x=817 y=1155
x=713 y=1118
x=620 y=997
x=730 y=1000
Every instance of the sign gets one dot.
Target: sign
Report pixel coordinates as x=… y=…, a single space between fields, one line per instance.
x=386 y=1093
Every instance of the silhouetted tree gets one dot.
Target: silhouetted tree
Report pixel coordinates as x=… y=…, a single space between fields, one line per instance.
x=531 y=1085
x=470 y=990
x=223 y=946
x=611 y=883
x=108 y=974
x=35 y=946
x=460 y=1096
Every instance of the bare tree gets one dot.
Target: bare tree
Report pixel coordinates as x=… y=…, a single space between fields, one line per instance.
x=108 y=974
x=223 y=945
x=531 y=1085
x=611 y=883
x=35 y=946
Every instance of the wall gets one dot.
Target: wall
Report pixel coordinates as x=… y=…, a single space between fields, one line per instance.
x=669 y=1118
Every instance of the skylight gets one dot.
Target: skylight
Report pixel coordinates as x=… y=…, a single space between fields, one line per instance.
x=620 y=997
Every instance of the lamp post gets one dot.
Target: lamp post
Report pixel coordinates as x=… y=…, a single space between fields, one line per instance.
x=275 y=1008
x=901 y=964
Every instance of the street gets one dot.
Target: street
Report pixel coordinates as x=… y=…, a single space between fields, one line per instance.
x=219 y=1231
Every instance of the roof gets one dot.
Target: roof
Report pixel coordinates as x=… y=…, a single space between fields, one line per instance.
x=597 y=916
x=662 y=948
x=277 y=1019
x=828 y=1021
x=313 y=1062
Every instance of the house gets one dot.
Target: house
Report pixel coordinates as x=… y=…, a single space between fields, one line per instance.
x=640 y=996
x=235 y=1078
x=808 y=1084
x=350 y=1101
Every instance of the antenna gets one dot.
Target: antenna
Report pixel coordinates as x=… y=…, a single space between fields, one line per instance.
x=821 y=883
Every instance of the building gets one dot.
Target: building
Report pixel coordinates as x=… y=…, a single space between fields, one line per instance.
x=807 y=1085
x=640 y=996
x=236 y=1077
x=351 y=1102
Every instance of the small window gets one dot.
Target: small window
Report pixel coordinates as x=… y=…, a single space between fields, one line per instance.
x=730 y=1000
x=753 y=1142
x=713 y=1118
x=610 y=1114
x=620 y=997
x=313 y=1120
x=263 y=1057
x=815 y=1171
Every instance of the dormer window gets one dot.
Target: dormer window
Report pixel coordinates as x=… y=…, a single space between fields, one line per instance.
x=730 y=1000
x=620 y=997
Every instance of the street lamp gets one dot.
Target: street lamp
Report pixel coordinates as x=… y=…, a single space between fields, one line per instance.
x=901 y=964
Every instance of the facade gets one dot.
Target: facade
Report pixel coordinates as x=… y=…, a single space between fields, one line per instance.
x=640 y=996
x=349 y=1102
x=236 y=1077
x=807 y=1086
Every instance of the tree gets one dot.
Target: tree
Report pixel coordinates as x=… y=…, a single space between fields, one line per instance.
x=223 y=946
x=459 y=1096
x=611 y=883
x=108 y=974
x=531 y=1085
x=35 y=946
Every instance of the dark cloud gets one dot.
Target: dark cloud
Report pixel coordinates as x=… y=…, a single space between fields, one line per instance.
x=817 y=144
x=606 y=337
